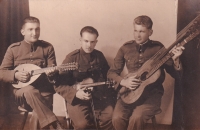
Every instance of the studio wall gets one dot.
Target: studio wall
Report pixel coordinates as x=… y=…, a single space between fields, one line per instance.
x=62 y=20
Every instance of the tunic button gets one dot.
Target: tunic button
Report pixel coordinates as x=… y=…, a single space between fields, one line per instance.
x=31 y=60
x=140 y=54
x=91 y=66
x=139 y=60
x=31 y=55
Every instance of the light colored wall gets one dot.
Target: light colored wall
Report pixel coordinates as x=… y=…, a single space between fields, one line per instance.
x=62 y=20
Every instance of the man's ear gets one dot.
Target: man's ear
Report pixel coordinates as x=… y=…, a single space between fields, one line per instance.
x=151 y=32
x=22 y=31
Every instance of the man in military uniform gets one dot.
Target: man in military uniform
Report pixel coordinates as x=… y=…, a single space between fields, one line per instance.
x=93 y=66
x=37 y=96
x=134 y=54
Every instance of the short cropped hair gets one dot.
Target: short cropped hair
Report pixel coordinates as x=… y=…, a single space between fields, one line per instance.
x=144 y=20
x=30 y=19
x=89 y=29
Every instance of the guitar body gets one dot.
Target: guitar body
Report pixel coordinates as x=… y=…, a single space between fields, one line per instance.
x=29 y=68
x=130 y=96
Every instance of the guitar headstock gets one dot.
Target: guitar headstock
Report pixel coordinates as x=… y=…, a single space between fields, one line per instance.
x=68 y=66
x=192 y=30
x=110 y=83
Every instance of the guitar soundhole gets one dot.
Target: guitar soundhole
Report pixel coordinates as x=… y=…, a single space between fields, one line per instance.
x=143 y=76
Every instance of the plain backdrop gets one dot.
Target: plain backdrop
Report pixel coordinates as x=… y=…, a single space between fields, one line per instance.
x=62 y=20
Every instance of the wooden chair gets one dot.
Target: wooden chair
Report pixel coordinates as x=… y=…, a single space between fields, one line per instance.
x=67 y=118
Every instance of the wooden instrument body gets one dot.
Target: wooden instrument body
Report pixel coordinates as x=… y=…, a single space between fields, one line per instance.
x=35 y=72
x=130 y=96
x=29 y=68
x=89 y=83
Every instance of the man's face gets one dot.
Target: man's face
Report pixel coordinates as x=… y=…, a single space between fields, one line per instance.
x=88 y=41
x=31 y=32
x=141 y=33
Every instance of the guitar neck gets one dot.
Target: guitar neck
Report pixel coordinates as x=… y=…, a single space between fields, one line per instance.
x=43 y=70
x=170 y=54
x=92 y=84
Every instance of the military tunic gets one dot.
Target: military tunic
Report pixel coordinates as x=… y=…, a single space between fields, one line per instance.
x=133 y=116
x=91 y=65
x=42 y=54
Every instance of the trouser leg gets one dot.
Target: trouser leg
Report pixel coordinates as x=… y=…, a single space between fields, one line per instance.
x=121 y=115
x=140 y=116
x=34 y=122
x=41 y=107
x=81 y=115
x=142 y=113
x=104 y=117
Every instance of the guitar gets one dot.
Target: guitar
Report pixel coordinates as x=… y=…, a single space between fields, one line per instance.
x=89 y=82
x=35 y=71
x=149 y=72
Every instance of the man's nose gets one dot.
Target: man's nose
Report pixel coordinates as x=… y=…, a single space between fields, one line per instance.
x=34 y=32
x=88 y=44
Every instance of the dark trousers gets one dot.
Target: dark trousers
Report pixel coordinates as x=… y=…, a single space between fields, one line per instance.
x=30 y=97
x=134 y=116
x=82 y=117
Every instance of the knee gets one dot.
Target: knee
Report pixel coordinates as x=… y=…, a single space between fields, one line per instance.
x=31 y=93
x=81 y=124
x=140 y=117
x=116 y=118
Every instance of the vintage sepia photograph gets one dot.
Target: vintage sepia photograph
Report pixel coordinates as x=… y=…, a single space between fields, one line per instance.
x=99 y=64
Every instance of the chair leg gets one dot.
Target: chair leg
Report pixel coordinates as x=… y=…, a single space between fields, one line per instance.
x=67 y=118
x=24 y=120
x=153 y=119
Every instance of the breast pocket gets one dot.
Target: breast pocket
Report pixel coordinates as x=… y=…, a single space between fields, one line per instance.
x=130 y=61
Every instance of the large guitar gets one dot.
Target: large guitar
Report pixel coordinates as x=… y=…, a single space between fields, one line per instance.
x=149 y=72
x=35 y=71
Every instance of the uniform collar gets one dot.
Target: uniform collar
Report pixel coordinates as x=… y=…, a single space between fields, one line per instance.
x=142 y=47
x=82 y=52
x=31 y=47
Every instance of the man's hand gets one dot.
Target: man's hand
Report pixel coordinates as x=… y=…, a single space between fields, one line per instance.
x=51 y=71
x=131 y=82
x=22 y=76
x=83 y=95
x=177 y=51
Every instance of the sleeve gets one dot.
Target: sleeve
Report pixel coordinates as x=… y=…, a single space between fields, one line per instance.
x=105 y=67
x=7 y=66
x=51 y=58
x=64 y=84
x=51 y=61
x=117 y=67
x=172 y=69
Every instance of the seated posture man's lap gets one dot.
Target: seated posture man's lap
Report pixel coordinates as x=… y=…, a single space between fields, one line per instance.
x=38 y=95
x=133 y=54
x=82 y=105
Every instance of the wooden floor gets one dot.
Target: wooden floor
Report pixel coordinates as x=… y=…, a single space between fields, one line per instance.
x=13 y=122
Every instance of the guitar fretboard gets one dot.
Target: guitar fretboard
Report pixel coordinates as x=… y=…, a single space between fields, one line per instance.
x=67 y=67
x=169 y=55
x=93 y=84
